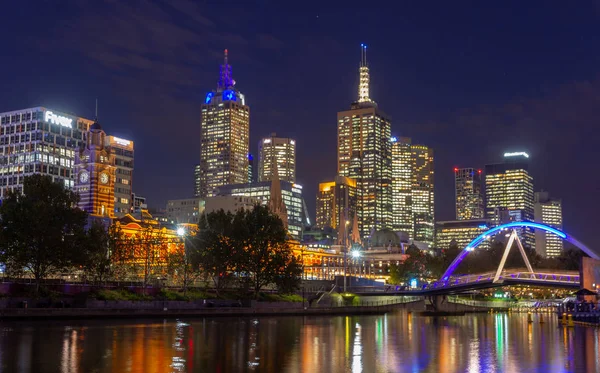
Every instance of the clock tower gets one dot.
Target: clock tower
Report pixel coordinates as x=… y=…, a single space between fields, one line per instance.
x=95 y=174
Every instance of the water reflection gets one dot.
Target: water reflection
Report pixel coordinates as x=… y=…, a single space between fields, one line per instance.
x=398 y=342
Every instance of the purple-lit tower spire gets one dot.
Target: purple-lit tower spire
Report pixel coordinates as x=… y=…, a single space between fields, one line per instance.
x=225 y=79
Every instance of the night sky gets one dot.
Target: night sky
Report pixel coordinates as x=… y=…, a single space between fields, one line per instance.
x=470 y=79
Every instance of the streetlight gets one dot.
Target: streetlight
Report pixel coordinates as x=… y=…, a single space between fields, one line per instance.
x=345 y=252
x=181 y=231
x=355 y=255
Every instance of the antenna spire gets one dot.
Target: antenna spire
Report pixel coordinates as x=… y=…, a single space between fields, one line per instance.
x=96 y=109
x=364 y=78
x=225 y=78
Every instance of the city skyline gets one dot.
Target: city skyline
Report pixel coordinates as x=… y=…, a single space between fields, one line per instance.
x=533 y=103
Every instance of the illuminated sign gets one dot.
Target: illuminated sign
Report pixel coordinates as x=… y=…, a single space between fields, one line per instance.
x=393 y=139
x=229 y=95
x=50 y=117
x=517 y=154
x=266 y=141
x=208 y=98
x=292 y=142
x=122 y=141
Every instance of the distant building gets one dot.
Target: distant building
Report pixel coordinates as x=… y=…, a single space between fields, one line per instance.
x=548 y=211
x=280 y=151
x=291 y=196
x=185 y=211
x=469 y=194
x=224 y=136
x=423 y=194
x=364 y=154
x=138 y=203
x=336 y=199
x=197 y=175
x=250 y=168
x=460 y=232
x=39 y=141
x=402 y=181
x=509 y=190
x=123 y=153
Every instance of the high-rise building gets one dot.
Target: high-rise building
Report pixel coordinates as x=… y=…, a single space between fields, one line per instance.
x=460 y=232
x=250 y=168
x=95 y=170
x=548 y=211
x=39 y=141
x=336 y=199
x=422 y=194
x=469 y=194
x=197 y=174
x=280 y=151
x=291 y=194
x=224 y=136
x=123 y=152
x=364 y=154
x=509 y=189
x=402 y=165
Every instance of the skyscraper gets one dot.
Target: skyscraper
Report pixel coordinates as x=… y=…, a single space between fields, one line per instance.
x=469 y=194
x=509 y=189
x=123 y=153
x=224 y=136
x=548 y=211
x=422 y=194
x=364 y=154
x=197 y=175
x=280 y=151
x=335 y=199
x=402 y=217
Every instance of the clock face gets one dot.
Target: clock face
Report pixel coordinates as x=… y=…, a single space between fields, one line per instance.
x=104 y=178
x=84 y=177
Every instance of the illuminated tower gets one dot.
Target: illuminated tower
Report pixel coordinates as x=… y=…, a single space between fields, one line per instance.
x=333 y=198
x=280 y=151
x=548 y=211
x=509 y=189
x=364 y=154
x=224 y=136
x=469 y=193
x=422 y=194
x=95 y=170
x=123 y=153
x=402 y=218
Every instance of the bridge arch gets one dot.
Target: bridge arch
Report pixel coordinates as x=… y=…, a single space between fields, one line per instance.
x=520 y=224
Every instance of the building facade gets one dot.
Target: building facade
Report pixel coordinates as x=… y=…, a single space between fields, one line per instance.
x=280 y=151
x=95 y=172
x=364 y=154
x=224 y=136
x=468 y=193
x=422 y=194
x=291 y=195
x=548 y=211
x=185 y=211
x=460 y=232
x=402 y=174
x=123 y=153
x=39 y=141
x=509 y=190
x=335 y=200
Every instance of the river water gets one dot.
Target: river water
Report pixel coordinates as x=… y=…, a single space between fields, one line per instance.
x=396 y=342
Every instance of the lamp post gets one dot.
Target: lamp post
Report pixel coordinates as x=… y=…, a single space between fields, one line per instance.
x=345 y=252
x=355 y=254
x=181 y=232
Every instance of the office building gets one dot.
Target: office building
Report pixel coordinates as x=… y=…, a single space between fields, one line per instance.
x=95 y=171
x=291 y=195
x=230 y=203
x=468 y=193
x=335 y=200
x=224 y=136
x=422 y=195
x=364 y=154
x=548 y=211
x=123 y=153
x=460 y=232
x=138 y=203
x=185 y=211
x=509 y=189
x=250 y=168
x=197 y=173
x=402 y=165
x=280 y=151
x=39 y=141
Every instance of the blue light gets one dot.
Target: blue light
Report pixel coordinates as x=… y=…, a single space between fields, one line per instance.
x=250 y=157
x=413 y=283
x=209 y=97
x=362 y=45
x=229 y=95
x=393 y=139
x=483 y=226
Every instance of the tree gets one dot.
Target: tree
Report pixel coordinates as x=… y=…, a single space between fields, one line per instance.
x=41 y=227
x=95 y=255
x=150 y=252
x=180 y=267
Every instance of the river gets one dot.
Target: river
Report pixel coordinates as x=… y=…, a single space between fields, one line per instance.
x=396 y=342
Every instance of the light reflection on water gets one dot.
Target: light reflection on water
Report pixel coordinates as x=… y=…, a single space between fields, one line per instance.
x=396 y=342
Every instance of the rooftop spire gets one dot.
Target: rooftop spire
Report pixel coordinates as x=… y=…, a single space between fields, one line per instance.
x=364 y=78
x=225 y=79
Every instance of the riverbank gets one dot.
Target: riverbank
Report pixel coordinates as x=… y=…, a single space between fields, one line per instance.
x=84 y=313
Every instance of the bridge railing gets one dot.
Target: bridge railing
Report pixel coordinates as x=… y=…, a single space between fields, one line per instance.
x=525 y=276
x=481 y=303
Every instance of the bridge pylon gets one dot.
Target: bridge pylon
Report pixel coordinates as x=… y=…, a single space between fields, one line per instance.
x=513 y=237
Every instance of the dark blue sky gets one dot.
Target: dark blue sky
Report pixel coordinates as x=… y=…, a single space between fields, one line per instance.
x=469 y=78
